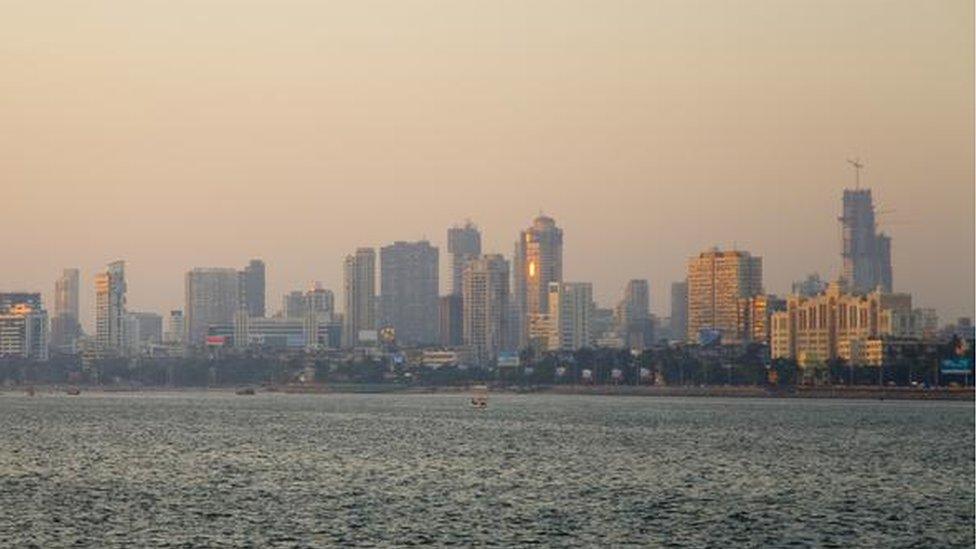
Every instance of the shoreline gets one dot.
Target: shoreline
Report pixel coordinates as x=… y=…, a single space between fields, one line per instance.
x=966 y=394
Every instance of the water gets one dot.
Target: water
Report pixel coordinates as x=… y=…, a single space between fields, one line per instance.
x=198 y=469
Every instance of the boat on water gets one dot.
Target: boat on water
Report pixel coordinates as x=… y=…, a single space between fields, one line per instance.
x=30 y=391
x=479 y=398
x=73 y=391
x=245 y=391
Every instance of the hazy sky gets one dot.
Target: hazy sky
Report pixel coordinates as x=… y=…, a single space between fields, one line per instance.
x=176 y=134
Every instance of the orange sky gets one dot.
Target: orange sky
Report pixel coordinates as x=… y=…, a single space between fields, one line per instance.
x=176 y=134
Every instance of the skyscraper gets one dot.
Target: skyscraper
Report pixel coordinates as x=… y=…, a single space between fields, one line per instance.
x=175 y=328
x=571 y=315
x=464 y=244
x=866 y=253
x=717 y=280
x=408 y=291
x=633 y=315
x=679 y=310
x=538 y=261
x=65 y=326
x=359 y=295
x=110 y=288
x=254 y=289
x=213 y=296
x=485 y=306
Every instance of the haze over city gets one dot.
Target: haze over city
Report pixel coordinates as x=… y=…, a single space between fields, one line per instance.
x=174 y=135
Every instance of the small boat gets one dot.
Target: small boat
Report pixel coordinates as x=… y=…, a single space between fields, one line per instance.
x=30 y=391
x=246 y=391
x=73 y=391
x=479 y=400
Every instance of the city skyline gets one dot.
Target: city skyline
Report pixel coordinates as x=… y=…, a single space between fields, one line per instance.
x=173 y=138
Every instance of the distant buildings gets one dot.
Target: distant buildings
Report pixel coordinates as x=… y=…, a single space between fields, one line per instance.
x=485 y=303
x=23 y=327
x=254 y=288
x=213 y=296
x=65 y=324
x=838 y=324
x=679 y=310
x=633 y=315
x=753 y=319
x=538 y=262
x=175 y=328
x=866 y=253
x=142 y=329
x=809 y=287
x=463 y=244
x=717 y=280
x=359 y=295
x=110 y=289
x=408 y=291
x=450 y=317
x=570 y=317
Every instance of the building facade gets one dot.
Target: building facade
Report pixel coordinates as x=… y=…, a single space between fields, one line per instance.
x=633 y=315
x=409 y=282
x=679 y=310
x=570 y=316
x=65 y=324
x=485 y=290
x=359 y=295
x=213 y=296
x=253 y=281
x=838 y=324
x=538 y=262
x=110 y=290
x=866 y=253
x=717 y=280
x=23 y=327
x=463 y=244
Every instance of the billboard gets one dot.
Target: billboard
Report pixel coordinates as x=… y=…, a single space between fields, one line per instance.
x=959 y=366
x=508 y=359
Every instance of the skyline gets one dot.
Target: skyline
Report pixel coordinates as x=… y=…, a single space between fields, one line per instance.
x=184 y=136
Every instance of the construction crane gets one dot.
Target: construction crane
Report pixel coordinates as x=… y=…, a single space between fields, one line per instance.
x=858 y=165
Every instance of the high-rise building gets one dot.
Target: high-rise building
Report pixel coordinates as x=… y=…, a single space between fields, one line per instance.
x=866 y=253
x=408 y=291
x=679 y=310
x=23 y=327
x=148 y=329
x=485 y=306
x=254 y=291
x=538 y=261
x=754 y=317
x=319 y=301
x=464 y=244
x=633 y=315
x=175 y=328
x=717 y=280
x=571 y=311
x=110 y=289
x=213 y=296
x=451 y=320
x=359 y=295
x=65 y=325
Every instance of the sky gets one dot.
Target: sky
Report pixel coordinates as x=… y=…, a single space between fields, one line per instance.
x=175 y=134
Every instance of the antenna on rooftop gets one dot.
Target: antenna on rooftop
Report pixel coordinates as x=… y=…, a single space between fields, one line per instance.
x=858 y=165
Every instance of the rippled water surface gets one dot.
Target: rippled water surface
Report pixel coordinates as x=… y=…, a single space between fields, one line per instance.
x=197 y=469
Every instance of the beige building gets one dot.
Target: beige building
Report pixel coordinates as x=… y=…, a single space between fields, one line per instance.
x=570 y=316
x=754 y=317
x=484 y=287
x=717 y=281
x=359 y=295
x=839 y=325
x=110 y=291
